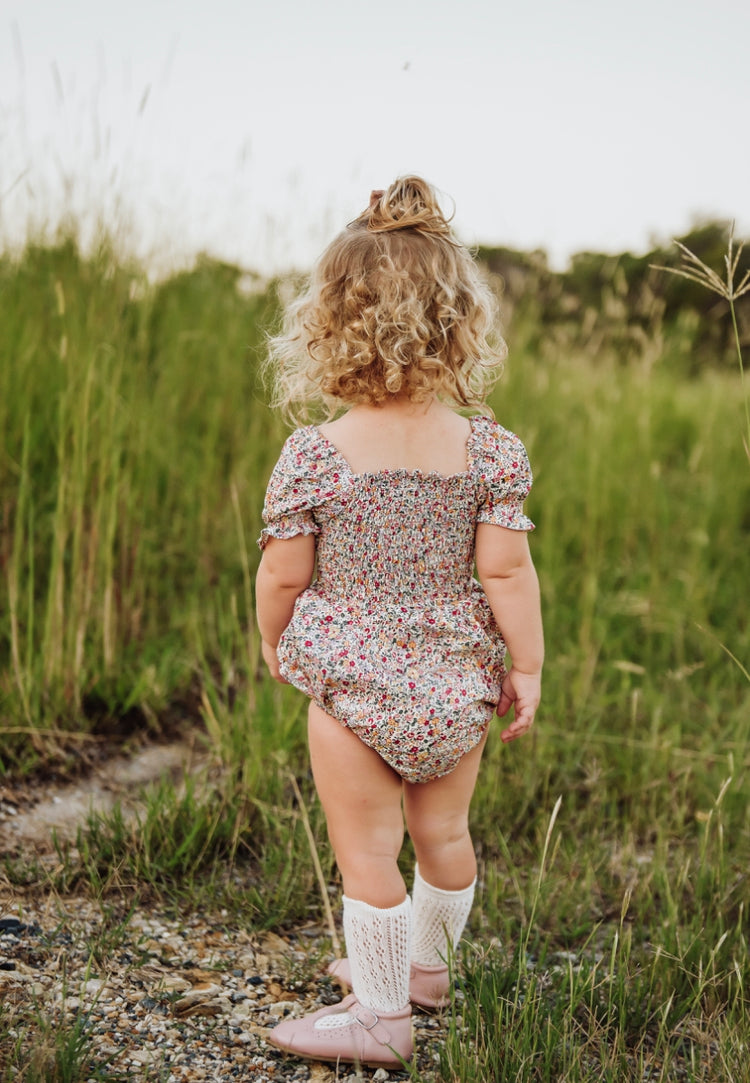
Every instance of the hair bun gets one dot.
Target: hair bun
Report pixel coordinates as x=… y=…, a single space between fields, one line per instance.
x=409 y=203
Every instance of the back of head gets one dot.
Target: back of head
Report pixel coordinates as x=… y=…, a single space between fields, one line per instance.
x=396 y=306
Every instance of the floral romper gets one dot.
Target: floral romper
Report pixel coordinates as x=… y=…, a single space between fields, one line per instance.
x=394 y=637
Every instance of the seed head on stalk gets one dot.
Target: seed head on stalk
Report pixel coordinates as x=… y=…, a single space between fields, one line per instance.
x=695 y=270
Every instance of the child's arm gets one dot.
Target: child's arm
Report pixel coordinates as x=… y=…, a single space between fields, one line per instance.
x=286 y=569
x=509 y=580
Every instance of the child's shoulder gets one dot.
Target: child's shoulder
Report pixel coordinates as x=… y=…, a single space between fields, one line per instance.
x=501 y=466
x=301 y=435
x=492 y=438
x=307 y=451
x=302 y=441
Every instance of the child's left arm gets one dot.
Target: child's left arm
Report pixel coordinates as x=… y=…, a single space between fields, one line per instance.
x=286 y=569
x=510 y=582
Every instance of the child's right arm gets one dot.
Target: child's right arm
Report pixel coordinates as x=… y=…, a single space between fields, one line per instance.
x=286 y=569
x=509 y=580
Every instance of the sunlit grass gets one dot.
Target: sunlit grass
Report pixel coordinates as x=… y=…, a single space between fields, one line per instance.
x=134 y=440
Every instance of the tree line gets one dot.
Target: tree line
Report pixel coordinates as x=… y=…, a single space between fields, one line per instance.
x=624 y=302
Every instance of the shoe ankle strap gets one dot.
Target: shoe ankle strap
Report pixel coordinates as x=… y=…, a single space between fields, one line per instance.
x=366 y=1017
x=371 y=1022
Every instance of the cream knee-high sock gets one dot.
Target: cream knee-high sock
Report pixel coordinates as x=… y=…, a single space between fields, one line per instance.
x=378 y=943
x=439 y=918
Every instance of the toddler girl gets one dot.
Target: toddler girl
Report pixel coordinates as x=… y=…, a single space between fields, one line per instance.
x=367 y=603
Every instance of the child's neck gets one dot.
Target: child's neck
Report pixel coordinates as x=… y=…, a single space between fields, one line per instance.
x=397 y=404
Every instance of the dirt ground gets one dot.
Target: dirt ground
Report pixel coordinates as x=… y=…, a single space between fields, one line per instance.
x=33 y=813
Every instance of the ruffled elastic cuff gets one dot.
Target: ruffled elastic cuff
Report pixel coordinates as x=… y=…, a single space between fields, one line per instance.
x=511 y=518
x=288 y=527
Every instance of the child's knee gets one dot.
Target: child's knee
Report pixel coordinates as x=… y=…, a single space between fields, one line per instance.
x=434 y=833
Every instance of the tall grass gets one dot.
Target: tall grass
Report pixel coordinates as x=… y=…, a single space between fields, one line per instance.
x=611 y=943
x=134 y=442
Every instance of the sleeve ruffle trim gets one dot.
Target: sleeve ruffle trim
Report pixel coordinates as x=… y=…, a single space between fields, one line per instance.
x=288 y=526
x=505 y=477
x=305 y=477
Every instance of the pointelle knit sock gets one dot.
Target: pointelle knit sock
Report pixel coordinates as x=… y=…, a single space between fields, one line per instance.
x=439 y=919
x=378 y=943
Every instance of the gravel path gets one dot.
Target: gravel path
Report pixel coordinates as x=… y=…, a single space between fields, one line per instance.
x=158 y=999
x=170 y=1001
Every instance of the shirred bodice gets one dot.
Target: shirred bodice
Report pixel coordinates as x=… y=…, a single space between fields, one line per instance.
x=394 y=637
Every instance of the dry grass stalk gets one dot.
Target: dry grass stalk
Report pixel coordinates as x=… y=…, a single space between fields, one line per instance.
x=695 y=270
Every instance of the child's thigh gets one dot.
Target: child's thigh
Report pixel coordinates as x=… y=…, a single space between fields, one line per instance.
x=360 y=793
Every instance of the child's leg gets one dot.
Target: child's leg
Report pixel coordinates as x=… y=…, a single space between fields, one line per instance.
x=361 y=797
x=438 y=820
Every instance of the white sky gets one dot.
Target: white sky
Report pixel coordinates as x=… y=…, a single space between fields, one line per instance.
x=254 y=129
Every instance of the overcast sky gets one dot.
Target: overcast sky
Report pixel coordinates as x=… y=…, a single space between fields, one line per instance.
x=255 y=130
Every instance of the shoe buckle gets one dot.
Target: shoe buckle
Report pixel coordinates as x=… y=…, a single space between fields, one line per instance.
x=362 y=1023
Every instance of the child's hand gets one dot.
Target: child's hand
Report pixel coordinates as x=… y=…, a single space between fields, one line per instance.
x=522 y=691
x=272 y=661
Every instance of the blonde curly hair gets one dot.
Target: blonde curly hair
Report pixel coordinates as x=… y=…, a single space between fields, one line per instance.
x=394 y=306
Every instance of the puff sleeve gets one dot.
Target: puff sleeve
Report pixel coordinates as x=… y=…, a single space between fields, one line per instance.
x=504 y=477
x=300 y=482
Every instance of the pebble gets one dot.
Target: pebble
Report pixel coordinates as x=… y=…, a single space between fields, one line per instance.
x=177 y=1001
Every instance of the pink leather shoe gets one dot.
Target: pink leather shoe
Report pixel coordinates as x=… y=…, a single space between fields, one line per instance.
x=349 y=1032
x=429 y=986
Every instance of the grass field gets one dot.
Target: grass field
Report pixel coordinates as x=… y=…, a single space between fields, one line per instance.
x=610 y=933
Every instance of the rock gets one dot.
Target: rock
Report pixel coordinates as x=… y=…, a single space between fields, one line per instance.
x=11 y=925
x=281 y=1007
x=173 y=983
